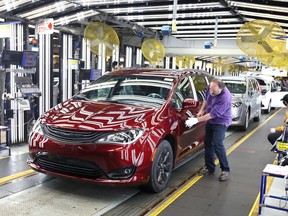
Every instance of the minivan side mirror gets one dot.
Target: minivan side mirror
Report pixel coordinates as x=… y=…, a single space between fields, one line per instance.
x=188 y=102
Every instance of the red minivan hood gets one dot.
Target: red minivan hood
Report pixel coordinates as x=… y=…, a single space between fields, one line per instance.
x=104 y=116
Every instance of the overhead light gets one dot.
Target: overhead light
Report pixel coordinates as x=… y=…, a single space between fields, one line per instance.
x=75 y=17
x=59 y=6
x=242 y=12
x=221 y=20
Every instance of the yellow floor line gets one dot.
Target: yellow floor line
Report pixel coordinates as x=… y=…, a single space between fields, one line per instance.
x=254 y=209
x=15 y=176
x=175 y=196
x=17 y=154
x=189 y=184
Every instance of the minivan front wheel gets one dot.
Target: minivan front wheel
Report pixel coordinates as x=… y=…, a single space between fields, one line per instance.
x=245 y=126
x=258 y=117
x=161 y=169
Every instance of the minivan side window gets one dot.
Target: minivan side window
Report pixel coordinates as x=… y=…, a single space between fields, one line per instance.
x=183 y=91
x=200 y=87
x=250 y=87
x=255 y=86
x=185 y=88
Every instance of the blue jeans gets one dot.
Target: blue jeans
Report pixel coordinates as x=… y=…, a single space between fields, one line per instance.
x=213 y=143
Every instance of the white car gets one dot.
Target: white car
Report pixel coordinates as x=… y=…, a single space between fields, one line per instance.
x=269 y=87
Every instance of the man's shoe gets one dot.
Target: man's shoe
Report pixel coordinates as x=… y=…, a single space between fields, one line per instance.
x=206 y=172
x=224 y=176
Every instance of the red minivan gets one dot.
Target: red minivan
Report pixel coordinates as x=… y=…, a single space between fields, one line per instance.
x=127 y=127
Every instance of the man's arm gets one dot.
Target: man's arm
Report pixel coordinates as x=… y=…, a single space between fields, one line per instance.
x=201 y=116
x=205 y=117
x=202 y=109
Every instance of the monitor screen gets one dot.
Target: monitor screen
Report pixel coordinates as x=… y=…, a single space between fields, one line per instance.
x=95 y=73
x=29 y=59
x=89 y=74
x=11 y=57
x=84 y=74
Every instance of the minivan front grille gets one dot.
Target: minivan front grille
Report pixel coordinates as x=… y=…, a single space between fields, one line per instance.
x=71 y=136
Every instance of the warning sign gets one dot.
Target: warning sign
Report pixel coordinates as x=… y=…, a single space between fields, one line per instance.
x=45 y=26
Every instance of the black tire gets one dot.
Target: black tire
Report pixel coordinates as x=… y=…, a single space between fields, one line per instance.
x=268 y=110
x=245 y=126
x=258 y=117
x=161 y=169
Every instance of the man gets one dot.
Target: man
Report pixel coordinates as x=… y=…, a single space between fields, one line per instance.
x=114 y=65
x=216 y=110
x=275 y=133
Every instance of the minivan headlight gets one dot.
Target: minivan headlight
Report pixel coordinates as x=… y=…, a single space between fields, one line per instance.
x=37 y=127
x=122 y=137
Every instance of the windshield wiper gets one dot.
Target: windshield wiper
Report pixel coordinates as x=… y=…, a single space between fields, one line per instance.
x=80 y=97
x=112 y=101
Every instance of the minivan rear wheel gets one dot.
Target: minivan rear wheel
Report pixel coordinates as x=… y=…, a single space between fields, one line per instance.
x=161 y=169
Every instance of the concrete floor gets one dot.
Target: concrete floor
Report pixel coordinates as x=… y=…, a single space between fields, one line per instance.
x=206 y=195
x=236 y=196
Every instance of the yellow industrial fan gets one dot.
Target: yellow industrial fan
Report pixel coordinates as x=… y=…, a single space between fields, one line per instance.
x=259 y=38
x=231 y=68
x=219 y=63
x=99 y=33
x=153 y=50
x=279 y=60
x=185 y=61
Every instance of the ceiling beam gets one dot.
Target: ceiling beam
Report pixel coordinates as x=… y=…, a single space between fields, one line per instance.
x=187 y=11
x=203 y=52
x=27 y=7
x=232 y=11
x=261 y=2
x=125 y=23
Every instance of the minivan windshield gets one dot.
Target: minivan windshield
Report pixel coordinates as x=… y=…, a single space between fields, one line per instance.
x=138 y=89
x=236 y=87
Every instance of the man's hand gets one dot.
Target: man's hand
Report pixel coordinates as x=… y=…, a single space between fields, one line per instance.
x=200 y=113
x=272 y=130
x=191 y=121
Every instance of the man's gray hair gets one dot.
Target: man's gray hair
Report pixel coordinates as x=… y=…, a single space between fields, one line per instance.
x=219 y=82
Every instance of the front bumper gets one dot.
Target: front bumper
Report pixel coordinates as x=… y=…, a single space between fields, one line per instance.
x=238 y=116
x=100 y=163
